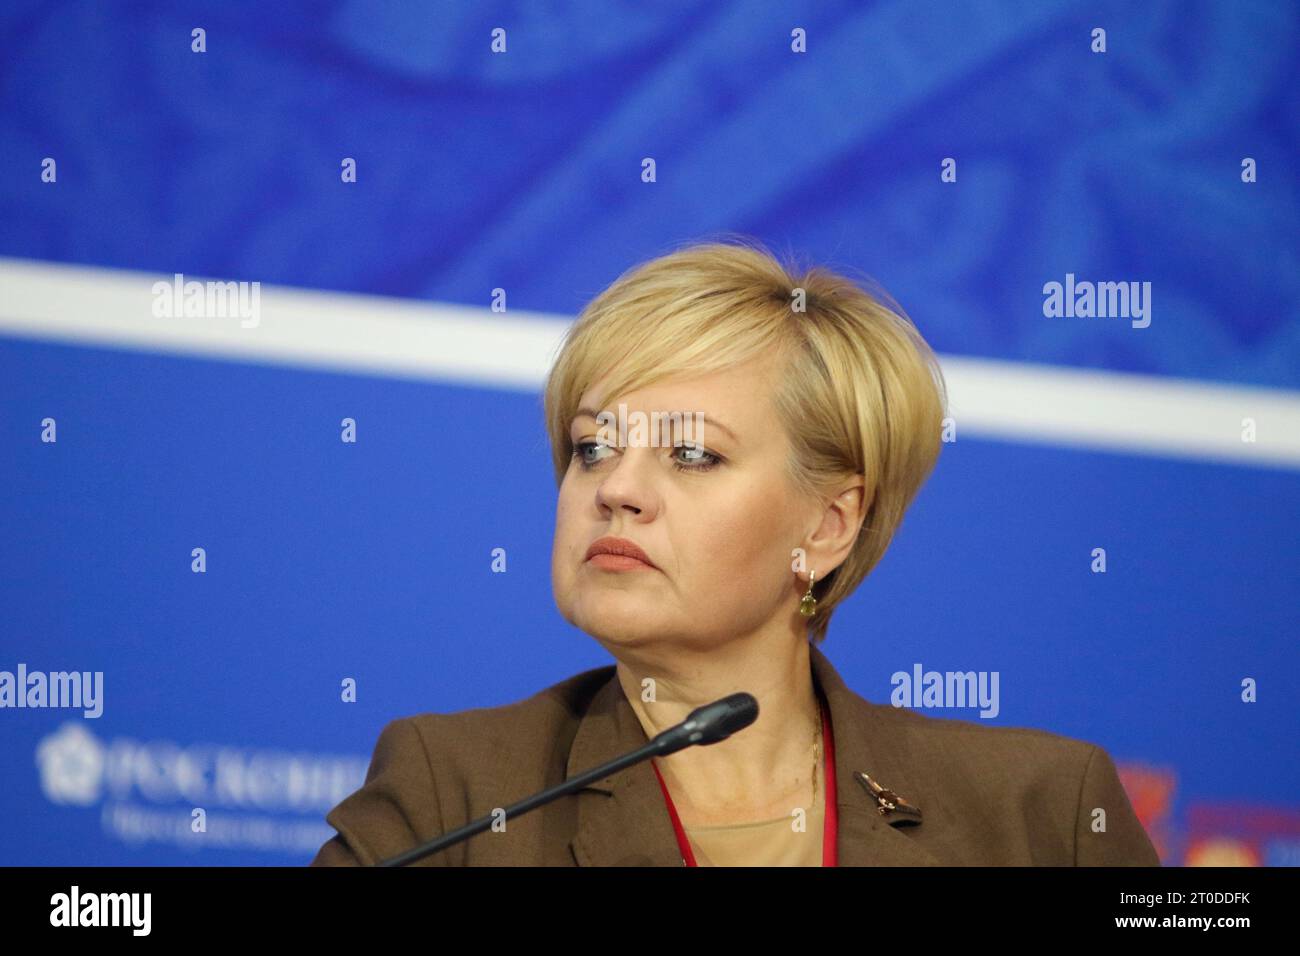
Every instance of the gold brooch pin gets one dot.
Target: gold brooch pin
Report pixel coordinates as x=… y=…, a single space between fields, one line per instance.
x=887 y=801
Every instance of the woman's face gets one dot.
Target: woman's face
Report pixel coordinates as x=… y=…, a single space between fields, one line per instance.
x=719 y=533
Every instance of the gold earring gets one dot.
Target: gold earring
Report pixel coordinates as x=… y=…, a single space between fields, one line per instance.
x=808 y=606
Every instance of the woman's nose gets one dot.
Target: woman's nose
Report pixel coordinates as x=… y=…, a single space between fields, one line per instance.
x=628 y=483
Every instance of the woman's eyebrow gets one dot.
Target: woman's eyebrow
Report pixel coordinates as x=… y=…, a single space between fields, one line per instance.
x=713 y=422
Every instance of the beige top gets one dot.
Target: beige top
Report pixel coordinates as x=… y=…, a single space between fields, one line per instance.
x=773 y=842
x=762 y=843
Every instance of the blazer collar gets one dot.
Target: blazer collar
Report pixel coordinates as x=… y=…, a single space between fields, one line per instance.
x=622 y=820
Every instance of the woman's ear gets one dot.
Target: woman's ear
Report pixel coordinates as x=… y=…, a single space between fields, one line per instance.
x=842 y=518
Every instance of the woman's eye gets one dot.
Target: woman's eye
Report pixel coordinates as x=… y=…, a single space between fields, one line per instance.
x=703 y=463
x=579 y=451
x=694 y=457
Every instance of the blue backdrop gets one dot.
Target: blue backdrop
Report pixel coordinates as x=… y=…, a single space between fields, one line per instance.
x=523 y=170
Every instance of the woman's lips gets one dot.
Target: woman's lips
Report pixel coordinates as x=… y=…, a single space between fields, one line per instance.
x=618 y=554
x=618 y=562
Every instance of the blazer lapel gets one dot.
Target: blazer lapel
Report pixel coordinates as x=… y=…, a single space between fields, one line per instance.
x=867 y=745
x=622 y=820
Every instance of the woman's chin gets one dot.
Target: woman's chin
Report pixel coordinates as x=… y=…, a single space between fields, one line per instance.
x=619 y=619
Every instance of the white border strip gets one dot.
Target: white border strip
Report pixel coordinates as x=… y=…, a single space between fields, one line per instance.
x=1115 y=411
x=337 y=331
x=405 y=338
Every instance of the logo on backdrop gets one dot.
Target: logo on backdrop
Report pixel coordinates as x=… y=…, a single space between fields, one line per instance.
x=197 y=796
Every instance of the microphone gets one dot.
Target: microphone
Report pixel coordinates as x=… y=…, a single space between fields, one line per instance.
x=709 y=724
x=703 y=726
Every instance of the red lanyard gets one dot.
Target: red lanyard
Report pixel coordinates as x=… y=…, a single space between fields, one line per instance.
x=829 y=855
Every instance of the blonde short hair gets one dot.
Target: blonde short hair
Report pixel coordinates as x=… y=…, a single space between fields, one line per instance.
x=859 y=391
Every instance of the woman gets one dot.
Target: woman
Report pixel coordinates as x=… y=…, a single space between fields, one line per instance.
x=735 y=446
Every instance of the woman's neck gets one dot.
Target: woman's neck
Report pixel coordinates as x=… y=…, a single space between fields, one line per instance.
x=761 y=772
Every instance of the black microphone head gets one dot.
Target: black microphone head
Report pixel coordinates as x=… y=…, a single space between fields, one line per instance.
x=711 y=723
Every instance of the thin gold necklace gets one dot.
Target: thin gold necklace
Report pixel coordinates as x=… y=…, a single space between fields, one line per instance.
x=817 y=759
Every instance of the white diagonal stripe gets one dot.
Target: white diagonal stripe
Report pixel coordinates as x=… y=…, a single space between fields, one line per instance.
x=406 y=338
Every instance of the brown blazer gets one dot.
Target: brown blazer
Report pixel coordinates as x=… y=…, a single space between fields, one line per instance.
x=986 y=795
